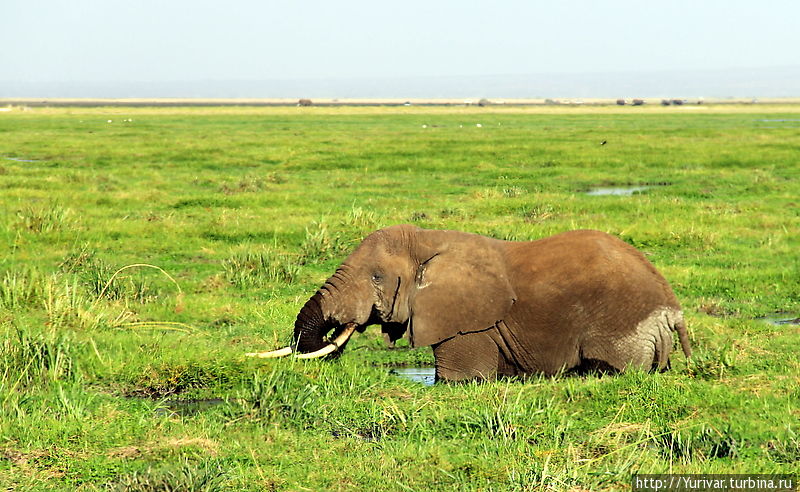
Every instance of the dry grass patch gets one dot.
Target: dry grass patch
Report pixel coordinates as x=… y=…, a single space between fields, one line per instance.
x=153 y=448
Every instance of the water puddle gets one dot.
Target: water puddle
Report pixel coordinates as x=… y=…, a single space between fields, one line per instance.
x=618 y=191
x=424 y=375
x=185 y=408
x=780 y=123
x=781 y=320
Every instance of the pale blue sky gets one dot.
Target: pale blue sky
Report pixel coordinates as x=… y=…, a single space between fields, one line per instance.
x=163 y=40
x=414 y=48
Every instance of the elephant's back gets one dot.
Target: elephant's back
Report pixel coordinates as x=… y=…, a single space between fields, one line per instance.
x=577 y=260
x=581 y=282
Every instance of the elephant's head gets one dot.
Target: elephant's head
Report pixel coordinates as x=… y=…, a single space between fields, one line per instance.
x=427 y=284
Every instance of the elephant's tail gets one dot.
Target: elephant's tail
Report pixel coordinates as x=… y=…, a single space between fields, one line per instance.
x=683 y=336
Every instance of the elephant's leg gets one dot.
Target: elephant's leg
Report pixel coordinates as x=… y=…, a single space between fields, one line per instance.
x=469 y=356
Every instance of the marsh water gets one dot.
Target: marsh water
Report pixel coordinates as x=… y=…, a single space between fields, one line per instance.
x=784 y=319
x=624 y=190
x=424 y=375
x=189 y=407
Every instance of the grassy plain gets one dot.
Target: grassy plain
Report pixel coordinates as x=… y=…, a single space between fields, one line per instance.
x=245 y=212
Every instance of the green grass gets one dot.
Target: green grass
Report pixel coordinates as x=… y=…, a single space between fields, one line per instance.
x=236 y=216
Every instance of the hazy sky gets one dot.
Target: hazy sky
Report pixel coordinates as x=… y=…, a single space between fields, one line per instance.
x=168 y=40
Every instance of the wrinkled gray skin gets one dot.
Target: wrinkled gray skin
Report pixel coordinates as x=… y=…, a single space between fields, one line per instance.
x=577 y=301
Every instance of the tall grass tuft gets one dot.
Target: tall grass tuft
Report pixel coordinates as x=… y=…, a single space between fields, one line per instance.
x=786 y=450
x=537 y=213
x=705 y=443
x=21 y=288
x=76 y=260
x=245 y=184
x=102 y=280
x=42 y=218
x=496 y=417
x=31 y=360
x=73 y=401
x=713 y=363
x=67 y=305
x=513 y=191
x=252 y=269
x=187 y=476
x=320 y=244
x=359 y=218
x=279 y=394
x=64 y=301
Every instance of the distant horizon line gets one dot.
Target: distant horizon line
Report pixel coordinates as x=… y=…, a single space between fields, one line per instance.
x=368 y=101
x=344 y=78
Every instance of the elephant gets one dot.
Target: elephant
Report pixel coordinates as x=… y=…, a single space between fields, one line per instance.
x=579 y=301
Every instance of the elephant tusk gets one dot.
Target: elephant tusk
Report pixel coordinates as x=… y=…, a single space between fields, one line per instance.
x=327 y=349
x=333 y=346
x=271 y=355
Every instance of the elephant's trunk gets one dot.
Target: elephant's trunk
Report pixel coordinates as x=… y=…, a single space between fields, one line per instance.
x=340 y=305
x=327 y=310
x=310 y=326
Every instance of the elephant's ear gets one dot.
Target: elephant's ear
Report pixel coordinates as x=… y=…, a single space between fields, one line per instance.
x=461 y=287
